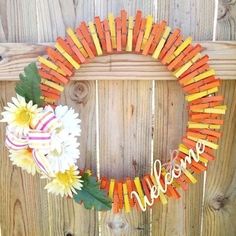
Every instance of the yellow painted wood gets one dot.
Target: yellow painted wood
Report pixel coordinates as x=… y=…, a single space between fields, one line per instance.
x=95 y=38
x=112 y=27
x=130 y=35
x=159 y=47
x=147 y=31
x=76 y=41
x=204 y=93
x=75 y=64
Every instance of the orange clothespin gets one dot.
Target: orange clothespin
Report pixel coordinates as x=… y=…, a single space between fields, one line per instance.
x=196 y=72
x=55 y=56
x=85 y=43
x=115 y=204
x=158 y=36
x=196 y=49
x=107 y=36
x=140 y=36
x=138 y=20
x=130 y=189
x=120 y=194
x=50 y=95
x=173 y=64
x=146 y=189
x=118 y=34
x=170 y=41
x=76 y=50
x=104 y=184
x=44 y=74
x=85 y=32
x=150 y=39
x=123 y=29
x=202 y=61
x=172 y=49
x=100 y=32
x=45 y=88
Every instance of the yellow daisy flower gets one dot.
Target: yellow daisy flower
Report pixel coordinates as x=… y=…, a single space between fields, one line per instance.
x=65 y=183
x=19 y=114
x=23 y=158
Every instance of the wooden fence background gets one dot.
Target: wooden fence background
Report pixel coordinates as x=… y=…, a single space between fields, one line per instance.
x=127 y=120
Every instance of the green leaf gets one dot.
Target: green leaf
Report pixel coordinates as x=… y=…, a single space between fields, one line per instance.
x=29 y=85
x=92 y=196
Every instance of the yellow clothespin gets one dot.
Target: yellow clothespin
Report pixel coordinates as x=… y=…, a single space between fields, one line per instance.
x=112 y=27
x=182 y=69
x=52 y=84
x=195 y=125
x=50 y=65
x=76 y=41
x=139 y=189
x=159 y=47
x=195 y=96
x=126 y=198
x=205 y=142
x=180 y=49
x=201 y=76
x=67 y=56
x=185 y=150
x=189 y=175
x=213 y=110
x=95 y=38
x=162 y=196
x=130 y=35
x=147 y=32
x=111 y=188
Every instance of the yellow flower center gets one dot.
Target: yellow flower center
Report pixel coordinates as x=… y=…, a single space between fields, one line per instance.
x=23 y=116
x=66 y=178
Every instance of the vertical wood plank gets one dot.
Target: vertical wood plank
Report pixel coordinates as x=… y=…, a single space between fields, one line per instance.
x=21 y=192
x=220 y=195
x=182 y=217
x=125 y=135
x=66 y=216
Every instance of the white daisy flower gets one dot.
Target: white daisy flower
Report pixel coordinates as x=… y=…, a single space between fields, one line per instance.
x=19 y=114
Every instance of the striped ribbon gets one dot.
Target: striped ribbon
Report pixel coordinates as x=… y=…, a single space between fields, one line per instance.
x=15 y=142
x=42 y=162
x=38 y=139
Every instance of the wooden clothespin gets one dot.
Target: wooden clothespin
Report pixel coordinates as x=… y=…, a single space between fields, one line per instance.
x=159 y=47
x=100 y=32
x=67 y=56
x=85 y=43
x=48 y=89
x=171 y=40
x=112 y=30
x=177 y=73
x=130 y=35
x=76 y=51
x=51 y=65
x=157 y=37
x=140 y=36
x=123 y=28
x=111 y=188
x=60 y=79
x=119 y=34
x=180 y=49
x=86 y=34
x=130 y=189
x=107 y=36
x=52 y=84
x=150 y=39
x=95 y=38
x=139 y=189
x=76 y=41
x=173 y=64
x=147 y=32
x=126 y=198
x=137 y=24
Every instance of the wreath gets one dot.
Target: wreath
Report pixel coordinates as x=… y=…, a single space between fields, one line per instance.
x=43 y=137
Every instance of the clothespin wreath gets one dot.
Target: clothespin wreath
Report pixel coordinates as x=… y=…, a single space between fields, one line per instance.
x=120 y=34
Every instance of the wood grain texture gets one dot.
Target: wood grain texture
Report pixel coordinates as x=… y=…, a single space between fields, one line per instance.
x=220 y=195
x=124 y=133
x=66 y=216
x=182 y=217
x=117 y=67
